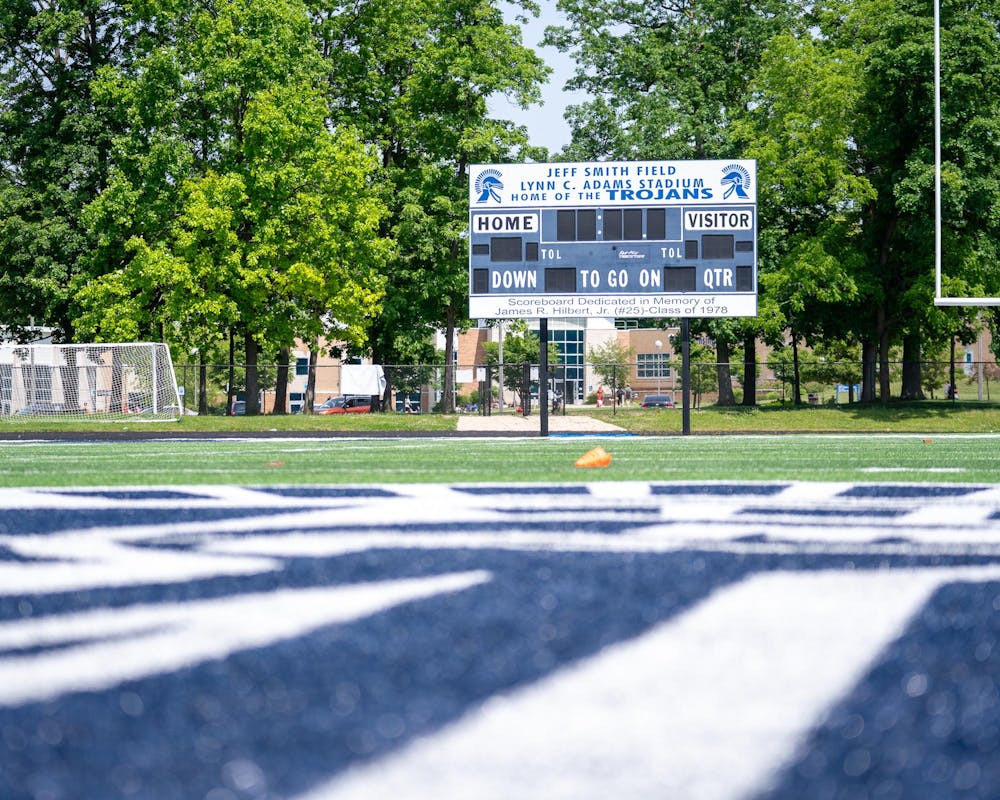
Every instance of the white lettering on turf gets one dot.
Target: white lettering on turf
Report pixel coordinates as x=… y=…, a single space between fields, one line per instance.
x=100 y=649
x=705 y=706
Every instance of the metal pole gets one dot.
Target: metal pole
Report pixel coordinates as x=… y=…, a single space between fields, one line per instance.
x=156 y=409
x=500 y=366
x=543 y=376
x=937 y=149
x=979 y=363
x=685 y=377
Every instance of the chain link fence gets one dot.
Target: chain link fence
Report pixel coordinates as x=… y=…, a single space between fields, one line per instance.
x=420 y=388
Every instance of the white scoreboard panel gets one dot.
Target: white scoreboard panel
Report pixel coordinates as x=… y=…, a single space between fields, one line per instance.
x=613 y=239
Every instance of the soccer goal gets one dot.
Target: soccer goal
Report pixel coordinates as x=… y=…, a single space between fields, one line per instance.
x=88 y=382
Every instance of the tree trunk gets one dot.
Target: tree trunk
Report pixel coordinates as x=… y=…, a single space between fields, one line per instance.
x=750 y=370
x=869 y=355
x=281 y=383
x=252 y=386
x=232 y=371
x=952 y=391
x=309 y=401
x=202 y=384
x=726 y=397
x=912 y=368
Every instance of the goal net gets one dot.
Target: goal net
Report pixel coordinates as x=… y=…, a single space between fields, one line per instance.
x=88 y=382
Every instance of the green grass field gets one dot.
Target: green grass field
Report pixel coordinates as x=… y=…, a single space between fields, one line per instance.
x=927 y=441
x=921 y=417
x=867 y=457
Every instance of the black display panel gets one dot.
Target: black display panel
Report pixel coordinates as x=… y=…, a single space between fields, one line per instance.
x=656 y=224
x=717 y=246
x=480 y=281
x=632 y=227
x=680 y=279
x=560 y=280
x=566 y=226
x=506 y=248
x=612 y=224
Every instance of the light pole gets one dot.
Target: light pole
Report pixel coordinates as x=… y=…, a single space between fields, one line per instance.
x=659 y=372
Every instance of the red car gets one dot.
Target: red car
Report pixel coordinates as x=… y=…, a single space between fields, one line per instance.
x=345 y=405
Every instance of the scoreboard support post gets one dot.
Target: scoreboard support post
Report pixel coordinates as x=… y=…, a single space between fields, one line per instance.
x=685 y=377
x=543 y=376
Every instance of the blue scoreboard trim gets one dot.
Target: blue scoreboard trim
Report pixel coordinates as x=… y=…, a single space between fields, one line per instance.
x=613 y=239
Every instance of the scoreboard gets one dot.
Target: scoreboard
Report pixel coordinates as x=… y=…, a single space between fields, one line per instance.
x=613 y=239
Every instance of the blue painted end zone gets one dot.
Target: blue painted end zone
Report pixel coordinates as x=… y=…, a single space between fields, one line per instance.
x=309 y=639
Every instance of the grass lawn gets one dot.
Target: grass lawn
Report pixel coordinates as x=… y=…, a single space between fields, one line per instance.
x=867 y=457
x=922 y=417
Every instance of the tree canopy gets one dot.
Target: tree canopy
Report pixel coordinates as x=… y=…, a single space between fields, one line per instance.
x=261 y=172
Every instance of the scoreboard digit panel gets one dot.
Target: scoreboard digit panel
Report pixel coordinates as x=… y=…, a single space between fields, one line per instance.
x=614 y=248
x=613 y=239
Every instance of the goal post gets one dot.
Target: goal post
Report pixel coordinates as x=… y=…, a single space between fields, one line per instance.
x=939 y=298
x=88 y=382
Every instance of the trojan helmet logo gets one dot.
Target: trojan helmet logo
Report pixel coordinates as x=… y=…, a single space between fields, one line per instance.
x=738 y=181
x=487 y=185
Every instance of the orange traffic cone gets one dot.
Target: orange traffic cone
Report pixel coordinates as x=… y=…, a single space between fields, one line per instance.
x=598 y=457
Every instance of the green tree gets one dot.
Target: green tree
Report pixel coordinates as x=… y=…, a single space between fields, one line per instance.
x=847 y=172
x=521 y=347
x=415 y=76
x=256 y=218
x=840 y=363
x=894 y=138
x=703 y=370
x=54 y=147
x=800 y=132
x=668 y=81
x=612 y=362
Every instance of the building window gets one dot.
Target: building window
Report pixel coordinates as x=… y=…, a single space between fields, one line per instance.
x=301 y=366
x=653 y=365
x=569 y=371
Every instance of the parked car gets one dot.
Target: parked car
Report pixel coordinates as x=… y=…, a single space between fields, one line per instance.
x=239 y=408
x=658 y=401
x=345 y=404
x=44 y=408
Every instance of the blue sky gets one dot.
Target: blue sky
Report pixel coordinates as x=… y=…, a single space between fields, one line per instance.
x=545 y=123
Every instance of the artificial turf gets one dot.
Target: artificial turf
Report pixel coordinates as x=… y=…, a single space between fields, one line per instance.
x=841 y=457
